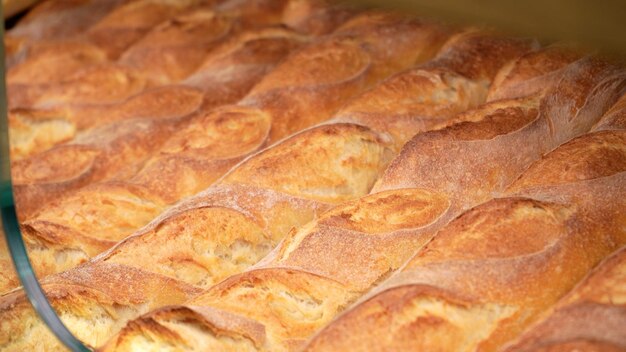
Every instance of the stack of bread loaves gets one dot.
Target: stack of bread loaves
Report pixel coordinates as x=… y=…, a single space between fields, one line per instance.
x=282 y=175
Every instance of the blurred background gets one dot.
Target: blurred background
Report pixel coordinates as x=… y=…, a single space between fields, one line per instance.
x=594 y=24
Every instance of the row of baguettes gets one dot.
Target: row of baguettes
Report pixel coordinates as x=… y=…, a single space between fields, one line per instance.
x=236 y=222
x=477 y=274
x=197 y=154
x=428 y=194
x=61 y=91
x=492 y=271
x=103 y=149
x=80 y=225
x=589 y=318
x=123 y=135
x=101 y=146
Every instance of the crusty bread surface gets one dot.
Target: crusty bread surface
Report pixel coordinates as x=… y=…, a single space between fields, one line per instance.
x=299 y=175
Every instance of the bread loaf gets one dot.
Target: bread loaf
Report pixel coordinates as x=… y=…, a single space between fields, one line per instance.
x=73 y=299
x=260 y=194
x=428 y=96
x=173 y=40
x=484 y=276
x=116 y=26
x=615 y=118
x=305 y=290
x=36 y=130
x=347 y=159
x=37 y=179
x=53 y=62
x=354 y=197
x=105 y=213
x=590 y=318
x=166 y=54
x=52 y=21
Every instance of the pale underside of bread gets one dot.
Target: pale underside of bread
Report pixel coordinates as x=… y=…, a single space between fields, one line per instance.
x=115 y=209
x=494 y=269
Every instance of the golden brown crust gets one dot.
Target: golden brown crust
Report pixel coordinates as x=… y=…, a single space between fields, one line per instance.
x=236 y=66
x=189 y=154
x=481 y=280
x=476 y=284
x=54 y=62
x=615 y=118
x=485 y=274
x=183 y=327
x=590 y=318
x=336 y=68
x=587 y=157
x=96 y=155
x=174 y=49
x=355 y=157
x=428 y=96
x=127 y=23
x=99 y=84
x=82 y=306
x=36 y=130
x=532 y=73
x=361 y=246
x=484 y=149
x=197 y=161
x=60 y=19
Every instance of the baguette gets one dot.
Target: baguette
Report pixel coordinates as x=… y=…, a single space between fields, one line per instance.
x=100 y=84
x=590 y=318
x=263 y=47
x=129 y=22
x=305 y=290
x=156 y=59
x=532 y=73
x=115 y=209
x=431 y=94
x=36 y=130
x=473 y=288
x=615 y=118
x=41 y=179
x=73 y=298
x=53 y=62
x=347 y=159
x=120 y=24
x=276 y=338
x=53 y=21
